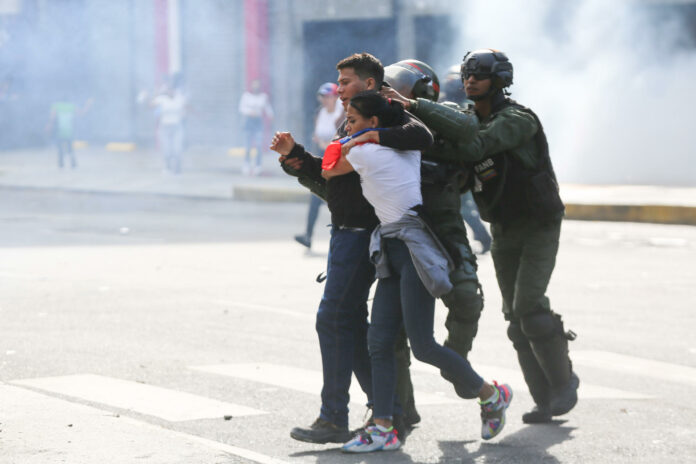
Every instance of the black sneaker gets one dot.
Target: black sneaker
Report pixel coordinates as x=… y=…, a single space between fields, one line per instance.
x=321 y=431
x=565 y=398
x=303 y=240
x=403 y=429
x=538 y=415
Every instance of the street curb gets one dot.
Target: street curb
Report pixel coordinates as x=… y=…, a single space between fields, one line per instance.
x=660 y=214
x=270 y=193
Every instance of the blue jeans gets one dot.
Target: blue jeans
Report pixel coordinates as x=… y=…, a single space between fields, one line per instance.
x=402 y=298
x=312 y=215
x=473 y=219
x=342 y=322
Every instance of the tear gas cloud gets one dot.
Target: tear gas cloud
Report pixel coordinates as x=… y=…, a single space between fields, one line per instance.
x=613 y=83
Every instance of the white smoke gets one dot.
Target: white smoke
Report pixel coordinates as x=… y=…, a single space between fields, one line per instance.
x=611 y=82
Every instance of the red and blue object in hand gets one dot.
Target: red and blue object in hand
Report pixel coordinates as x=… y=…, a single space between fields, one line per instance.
x=333 y=151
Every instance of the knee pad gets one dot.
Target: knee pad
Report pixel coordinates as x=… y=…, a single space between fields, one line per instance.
x=517 y=337
x=465 y=300
x=540 y=326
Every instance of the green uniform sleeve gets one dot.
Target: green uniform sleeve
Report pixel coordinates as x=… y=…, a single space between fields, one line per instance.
x=449 y=121
x=509 y=129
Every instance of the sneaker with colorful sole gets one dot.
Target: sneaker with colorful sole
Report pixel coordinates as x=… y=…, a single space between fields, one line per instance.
x=493 y=413
x=373 y=439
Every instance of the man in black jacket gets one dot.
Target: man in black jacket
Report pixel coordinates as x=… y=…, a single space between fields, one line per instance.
x=342 y=316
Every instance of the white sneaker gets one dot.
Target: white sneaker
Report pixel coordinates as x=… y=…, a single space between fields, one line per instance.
x=246 y=169
x=257 y=170
x=373 y=439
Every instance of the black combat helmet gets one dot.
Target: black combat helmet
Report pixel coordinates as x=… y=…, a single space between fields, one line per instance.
x=487 y=63
x=413 y=79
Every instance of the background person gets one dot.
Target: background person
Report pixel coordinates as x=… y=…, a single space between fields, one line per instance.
x=170 y=108
x=328 y=119
x=254 y=106
x=62 y=126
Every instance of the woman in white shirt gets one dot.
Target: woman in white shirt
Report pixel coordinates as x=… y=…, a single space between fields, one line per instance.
x=412 y=268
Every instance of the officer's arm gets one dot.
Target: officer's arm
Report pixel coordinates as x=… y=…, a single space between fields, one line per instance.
x=509 y=129
x=449 y=121
x=411 y=135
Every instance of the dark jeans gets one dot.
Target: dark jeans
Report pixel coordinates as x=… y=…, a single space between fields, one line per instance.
x=473 y=219
x=402 y=298
x=342 y=322
x=254 y=135
x=65 y=146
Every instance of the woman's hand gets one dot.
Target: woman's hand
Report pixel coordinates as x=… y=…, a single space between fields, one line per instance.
x=370 y=136
x=282 y=143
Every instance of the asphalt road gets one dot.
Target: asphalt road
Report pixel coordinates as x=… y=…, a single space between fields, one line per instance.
x=132 y=325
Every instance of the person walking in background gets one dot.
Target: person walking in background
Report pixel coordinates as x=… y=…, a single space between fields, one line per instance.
x=326 y=122
x=171 y=109
x=254 y=106
x=62 y=125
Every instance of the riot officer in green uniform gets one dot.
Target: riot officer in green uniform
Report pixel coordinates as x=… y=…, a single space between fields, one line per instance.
x=441 y=183
x=516 y=191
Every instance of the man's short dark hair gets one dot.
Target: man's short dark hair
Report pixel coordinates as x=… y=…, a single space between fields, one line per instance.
x=365 y=66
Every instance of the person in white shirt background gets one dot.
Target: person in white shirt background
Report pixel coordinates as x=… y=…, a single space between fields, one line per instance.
x=171 y=109
x=328 y=118
x=254 y=106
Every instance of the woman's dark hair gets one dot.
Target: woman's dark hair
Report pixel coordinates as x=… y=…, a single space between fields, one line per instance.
x=370 y=103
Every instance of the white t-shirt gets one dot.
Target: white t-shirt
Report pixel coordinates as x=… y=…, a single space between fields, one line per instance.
x=171 y=108
x=325 y=127
x=390 y=179
x=255 y=105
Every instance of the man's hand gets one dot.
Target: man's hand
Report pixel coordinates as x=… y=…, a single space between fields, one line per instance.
x=282 y=143
x=370 y=136
x=388 y=92
x=292 y=163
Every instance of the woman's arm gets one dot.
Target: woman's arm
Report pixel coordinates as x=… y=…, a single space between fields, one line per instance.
x=342 y=167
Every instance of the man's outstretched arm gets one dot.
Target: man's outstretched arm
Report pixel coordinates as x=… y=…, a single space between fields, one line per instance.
x=297 y=162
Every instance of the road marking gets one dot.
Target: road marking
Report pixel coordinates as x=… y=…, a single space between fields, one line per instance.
x=74 y=432
x=270 y=309
x=514 y=378
x=303 y=380
x=155 y=401
x=632 y=365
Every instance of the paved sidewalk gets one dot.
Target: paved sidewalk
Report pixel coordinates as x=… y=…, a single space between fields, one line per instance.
x=215 y=173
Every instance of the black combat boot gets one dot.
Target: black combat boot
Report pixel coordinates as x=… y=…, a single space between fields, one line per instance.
x=321 y=431
x=538 y=386
x=552 y=354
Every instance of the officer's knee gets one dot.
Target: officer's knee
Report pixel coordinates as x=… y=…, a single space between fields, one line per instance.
x=517 y=337
x=465 y=300
x=538 y=326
